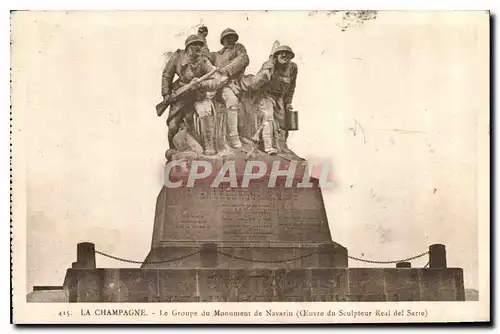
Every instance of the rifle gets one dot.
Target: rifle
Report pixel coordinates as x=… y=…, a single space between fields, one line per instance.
x=163 y=105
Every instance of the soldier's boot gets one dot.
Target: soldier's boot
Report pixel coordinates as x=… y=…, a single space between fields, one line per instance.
x=232 y=128
x=207 y=129
x=268 y=139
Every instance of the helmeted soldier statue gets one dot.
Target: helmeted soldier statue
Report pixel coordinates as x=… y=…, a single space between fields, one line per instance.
x=276 y=81
x=232 y=60
x=189 y=65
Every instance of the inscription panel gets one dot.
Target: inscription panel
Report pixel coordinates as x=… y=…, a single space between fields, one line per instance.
x=257 y=213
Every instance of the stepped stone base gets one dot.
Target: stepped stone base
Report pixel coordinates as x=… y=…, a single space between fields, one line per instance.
x=264 y=285
x=227 y=256
x=255 y=244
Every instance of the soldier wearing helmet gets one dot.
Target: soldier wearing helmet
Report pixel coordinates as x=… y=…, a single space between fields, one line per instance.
x=189 y=65
x=276 y=80
x=233 y=60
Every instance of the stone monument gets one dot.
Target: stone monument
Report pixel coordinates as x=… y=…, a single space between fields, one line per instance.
x=265 y=241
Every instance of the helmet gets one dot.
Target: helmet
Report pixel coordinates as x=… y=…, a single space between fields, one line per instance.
x=228 y=32
x=284 y=48
x=194 y=39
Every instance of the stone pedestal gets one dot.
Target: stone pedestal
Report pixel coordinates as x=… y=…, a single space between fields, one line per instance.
x=243 y=227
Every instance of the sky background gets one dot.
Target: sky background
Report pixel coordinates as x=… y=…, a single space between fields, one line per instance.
x=393 y=103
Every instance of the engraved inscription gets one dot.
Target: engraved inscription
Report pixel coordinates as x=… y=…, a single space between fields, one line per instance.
x=257 y=213
x=192 y=221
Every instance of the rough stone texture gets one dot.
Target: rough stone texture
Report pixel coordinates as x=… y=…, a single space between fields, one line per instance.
x=237 y=228
x=254 y=214
x=264 y=285
x=47 y=295
x=471 y=294
x=258 y=244
x=245 y=256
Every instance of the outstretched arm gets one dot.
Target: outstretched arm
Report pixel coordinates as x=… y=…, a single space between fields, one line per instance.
x=215 y=81
x=263 y=76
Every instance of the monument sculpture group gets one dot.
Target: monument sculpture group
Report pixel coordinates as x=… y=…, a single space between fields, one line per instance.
x=217 y=110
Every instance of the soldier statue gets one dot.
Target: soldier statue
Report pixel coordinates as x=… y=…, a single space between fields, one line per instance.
x=232 y=60
x=276 y=81
x=189 y=65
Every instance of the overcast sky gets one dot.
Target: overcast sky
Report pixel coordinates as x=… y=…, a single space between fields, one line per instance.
x=393 y=103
